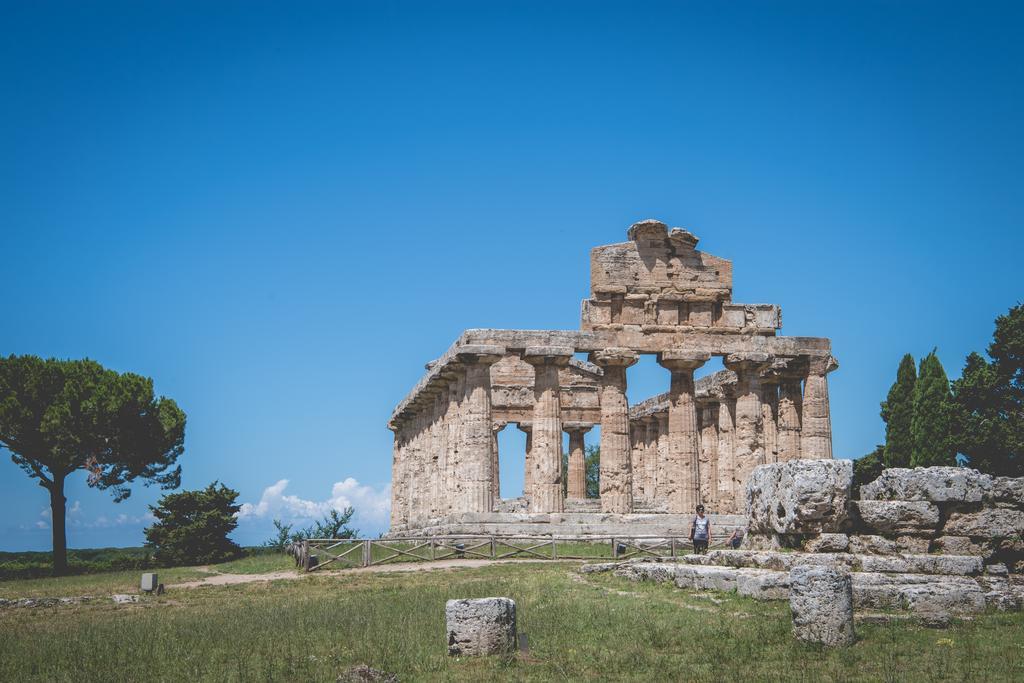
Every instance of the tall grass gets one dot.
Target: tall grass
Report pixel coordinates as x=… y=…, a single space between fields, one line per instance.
x=597 y=628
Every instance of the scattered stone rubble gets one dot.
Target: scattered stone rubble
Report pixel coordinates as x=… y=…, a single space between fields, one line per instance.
x=939 y=542
x=483 y=626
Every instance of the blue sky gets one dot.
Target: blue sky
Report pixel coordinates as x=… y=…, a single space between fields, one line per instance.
x=280 y=212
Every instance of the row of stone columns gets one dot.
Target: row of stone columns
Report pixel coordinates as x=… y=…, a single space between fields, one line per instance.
x=706 y=449
x=446 y=459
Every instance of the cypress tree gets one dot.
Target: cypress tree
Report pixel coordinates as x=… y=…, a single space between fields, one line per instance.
x=898 y=411
x=930 y=426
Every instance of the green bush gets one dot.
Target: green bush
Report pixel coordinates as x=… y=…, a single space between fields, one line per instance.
x=192 y=527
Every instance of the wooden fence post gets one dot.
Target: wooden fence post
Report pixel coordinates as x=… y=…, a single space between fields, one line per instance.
x=615 y=550
x=367 y=554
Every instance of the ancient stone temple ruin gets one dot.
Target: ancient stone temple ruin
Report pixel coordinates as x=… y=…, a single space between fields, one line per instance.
x=696 y=443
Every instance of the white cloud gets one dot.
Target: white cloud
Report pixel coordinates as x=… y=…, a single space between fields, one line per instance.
x=372 y=506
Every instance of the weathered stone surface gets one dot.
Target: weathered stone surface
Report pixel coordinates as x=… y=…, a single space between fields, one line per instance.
x=657 y=572
x=482 y=626
x=699 y=577
x=898 y=516
x=1000 y=593
x=366 y=674
x=869 y=544
x=1007 y=490
x=918 y=592
x=762 y=584
x=821 y=602
x=986 y=523
x=828 y=543
x=799 y=496
x=921 y=564
x=934 y=484
x=961 y=545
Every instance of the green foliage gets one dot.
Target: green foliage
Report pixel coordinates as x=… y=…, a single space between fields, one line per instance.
x=898 y=412
x=988 y=401
x=24 y=565
x=333 y=525
x=192 y=527
x=59 y=416
x=592 y=463
x=868 y=468
x=931 y=424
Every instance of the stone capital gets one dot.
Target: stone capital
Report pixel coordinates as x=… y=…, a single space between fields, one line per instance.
x=822 y=365
x=745 y=362
x=682 y=360
x=548 y=355
x=485 y=354
x=614 y=357
x=581 y=427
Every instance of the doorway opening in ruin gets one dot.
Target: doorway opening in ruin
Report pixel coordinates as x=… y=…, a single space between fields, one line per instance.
x=511 y=461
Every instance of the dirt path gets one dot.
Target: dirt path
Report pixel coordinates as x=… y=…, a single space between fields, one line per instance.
x=217 y=579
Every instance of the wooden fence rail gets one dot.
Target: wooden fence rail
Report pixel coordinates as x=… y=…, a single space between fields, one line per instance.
x=317 y=553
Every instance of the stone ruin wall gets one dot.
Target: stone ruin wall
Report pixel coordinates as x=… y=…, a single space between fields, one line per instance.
x=697 y=443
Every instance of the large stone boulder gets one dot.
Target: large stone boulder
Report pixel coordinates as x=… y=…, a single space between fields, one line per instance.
x=934 y=484
x=821 y=601
x=483 y=626
x=799 y=497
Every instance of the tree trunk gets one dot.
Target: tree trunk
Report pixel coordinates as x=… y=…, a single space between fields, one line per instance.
x=57 y=522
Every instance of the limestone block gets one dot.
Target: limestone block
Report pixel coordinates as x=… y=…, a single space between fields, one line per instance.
x=1007 y=490
x=913 y=544
x=922 y=564
x=918 y=592
x=821 y=602
x=986 y=523
x=961 y=545
x=658 y=572
x=699 y=577
x=762 y=542
x=868 y=544
x=899 y=516
x=828 y=543
x=762 y=584
x=483 y=626
x=1000 y=593
x=799 y=496
x=935 y=484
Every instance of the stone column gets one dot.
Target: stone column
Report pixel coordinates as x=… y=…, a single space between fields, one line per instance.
x=495 y=472
x=661 y=487
x=577 y=484
x=456 y=392
x=790 y=401
x=816 y=433
x=769 y=417
x=650 y=475
x=527 y=428
x=748 y=446
x=546 y=453
x=637 y=433
x=616 y=473
x=708 y=463
x=398 y=485
x=681 y=466
x=726 y=498
x=475 y=458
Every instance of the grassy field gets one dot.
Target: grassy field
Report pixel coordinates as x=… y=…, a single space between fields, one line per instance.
x=597 y=627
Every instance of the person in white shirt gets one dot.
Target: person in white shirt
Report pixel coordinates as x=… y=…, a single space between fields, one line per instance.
x=700 y=531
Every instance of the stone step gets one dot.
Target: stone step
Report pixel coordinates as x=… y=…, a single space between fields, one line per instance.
x=957 y=565
x=920 y=593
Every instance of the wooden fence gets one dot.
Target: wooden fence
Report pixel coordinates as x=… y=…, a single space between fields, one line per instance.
x=317 y=553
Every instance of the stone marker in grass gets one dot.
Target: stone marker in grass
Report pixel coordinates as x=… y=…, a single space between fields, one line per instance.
x=483 y=626
x=821 y=600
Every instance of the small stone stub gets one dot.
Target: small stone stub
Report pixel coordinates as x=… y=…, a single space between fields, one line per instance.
x=821 y=601
x=483 y=626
